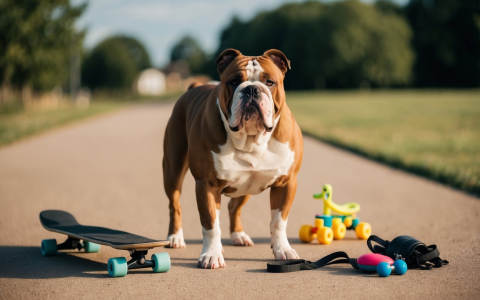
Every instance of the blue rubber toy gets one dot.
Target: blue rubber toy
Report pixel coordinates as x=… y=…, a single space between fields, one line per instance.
x=400 y=267
x=384 y=269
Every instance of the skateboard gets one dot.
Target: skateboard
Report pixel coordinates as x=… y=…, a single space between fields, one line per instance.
x=89 y=238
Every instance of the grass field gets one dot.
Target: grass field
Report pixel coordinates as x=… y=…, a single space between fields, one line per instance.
x=17 y=125
x=432 y=133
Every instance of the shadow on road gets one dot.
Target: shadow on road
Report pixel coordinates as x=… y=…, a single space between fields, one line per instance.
x=28 y=263
x=228 y=242
x=268 y=240
x=329 y=270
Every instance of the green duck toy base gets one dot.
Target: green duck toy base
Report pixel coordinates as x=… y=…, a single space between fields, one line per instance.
x=329 y=227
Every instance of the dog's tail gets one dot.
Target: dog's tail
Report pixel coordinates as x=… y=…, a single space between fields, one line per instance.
x=194 y=85
x=199 y=83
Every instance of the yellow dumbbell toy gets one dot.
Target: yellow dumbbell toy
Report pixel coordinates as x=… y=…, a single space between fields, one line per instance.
x=329 y=227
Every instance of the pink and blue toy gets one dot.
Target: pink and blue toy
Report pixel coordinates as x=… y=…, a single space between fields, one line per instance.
x=383 y=265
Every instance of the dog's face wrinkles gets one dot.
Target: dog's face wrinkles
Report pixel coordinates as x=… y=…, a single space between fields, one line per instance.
x=251 y=92
x=252 y=104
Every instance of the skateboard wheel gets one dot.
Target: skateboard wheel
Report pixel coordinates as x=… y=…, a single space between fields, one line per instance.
x=162 y=262
x=363 y=230
x=325 y=235
x=49 y=247
x=91 y=247
x=305 y=233
x=339 y=231
x=117 y=267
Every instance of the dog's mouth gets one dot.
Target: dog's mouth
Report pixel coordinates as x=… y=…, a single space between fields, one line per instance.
x=251 y=116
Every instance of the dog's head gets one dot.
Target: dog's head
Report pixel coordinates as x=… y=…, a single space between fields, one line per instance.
x=251 y=93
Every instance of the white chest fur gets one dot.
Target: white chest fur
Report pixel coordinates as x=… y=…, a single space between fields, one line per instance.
x=252 y=172
x=252 y=169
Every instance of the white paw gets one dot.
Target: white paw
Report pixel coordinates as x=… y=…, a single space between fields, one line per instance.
x=241 y=239
x=285 y=254
x=280 y=246
x=212 y=259
x=212 y=251
x=176 y=240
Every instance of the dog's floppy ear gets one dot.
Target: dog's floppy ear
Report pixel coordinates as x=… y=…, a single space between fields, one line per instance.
x=225 y=58
x=279 y=59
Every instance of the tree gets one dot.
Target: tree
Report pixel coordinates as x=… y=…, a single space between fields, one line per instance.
x=389 y=7
x=188 y=50
x=365 y=45
x=289 y=28
x=136 y=51
x=114 y=63
x=335 y=45
x=36 y=40
x=447 y=42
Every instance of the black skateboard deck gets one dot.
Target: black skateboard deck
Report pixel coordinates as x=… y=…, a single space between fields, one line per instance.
x=92 y=236
x=63 y=222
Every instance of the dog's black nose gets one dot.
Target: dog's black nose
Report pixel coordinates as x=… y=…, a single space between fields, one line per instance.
x=252 y=91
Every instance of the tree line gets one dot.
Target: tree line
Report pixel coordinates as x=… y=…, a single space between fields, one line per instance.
x=346 y=44
x=349 y=44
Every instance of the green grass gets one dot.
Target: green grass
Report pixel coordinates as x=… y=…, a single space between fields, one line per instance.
x=17 y=123
x=21 y=124
x=431 y=133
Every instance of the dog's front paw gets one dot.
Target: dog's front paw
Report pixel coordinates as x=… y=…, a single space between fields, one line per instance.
x=212 y=259
x=285 y=254
x=176 y=240
x=241 y=239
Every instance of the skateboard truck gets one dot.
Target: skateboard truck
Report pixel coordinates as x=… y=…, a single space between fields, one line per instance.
x=50 y=247
x=71 y=243
x=138 y=260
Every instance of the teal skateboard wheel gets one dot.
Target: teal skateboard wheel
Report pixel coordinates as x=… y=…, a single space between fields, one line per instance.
x=91 y=247
x=117 y=267
x=161 y=262
x=49 y=247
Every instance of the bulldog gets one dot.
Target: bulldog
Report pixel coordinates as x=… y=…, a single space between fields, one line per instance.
x=238 y=138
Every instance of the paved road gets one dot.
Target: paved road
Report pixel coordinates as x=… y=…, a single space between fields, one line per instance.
x=107 y=171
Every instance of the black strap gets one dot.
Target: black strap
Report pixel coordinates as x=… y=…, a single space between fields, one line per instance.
x=301 y=264
x=377 y=248
x=431 y=254
x=430 y=259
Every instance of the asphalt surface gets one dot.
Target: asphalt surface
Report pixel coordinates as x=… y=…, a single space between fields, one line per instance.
x=107 y=171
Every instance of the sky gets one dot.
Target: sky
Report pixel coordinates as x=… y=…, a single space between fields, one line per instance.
x=159 y=24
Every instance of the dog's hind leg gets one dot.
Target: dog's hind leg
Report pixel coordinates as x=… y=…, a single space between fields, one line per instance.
x=238 y=236
x=175 y=165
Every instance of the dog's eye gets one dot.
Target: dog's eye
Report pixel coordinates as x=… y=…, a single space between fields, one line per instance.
x=234 y=82
x=269 y=83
